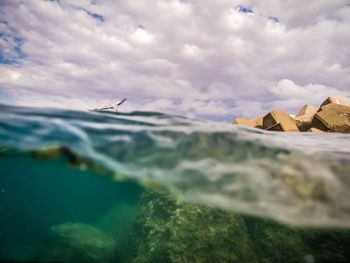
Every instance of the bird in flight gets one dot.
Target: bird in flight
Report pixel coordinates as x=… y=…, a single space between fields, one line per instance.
x=115 y=107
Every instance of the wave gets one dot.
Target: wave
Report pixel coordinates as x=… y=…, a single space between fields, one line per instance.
x=300 y=179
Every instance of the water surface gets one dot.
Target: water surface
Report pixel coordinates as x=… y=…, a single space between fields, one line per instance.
x=62 y=166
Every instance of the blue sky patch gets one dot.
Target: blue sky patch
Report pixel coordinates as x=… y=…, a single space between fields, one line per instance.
x=244 y=9
x=95 y=16
x=17 y=43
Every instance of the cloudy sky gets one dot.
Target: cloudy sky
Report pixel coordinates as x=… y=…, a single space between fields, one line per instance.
x=200 y=58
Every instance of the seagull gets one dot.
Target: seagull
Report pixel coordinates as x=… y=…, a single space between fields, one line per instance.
x=117 y=104
x=120 y=102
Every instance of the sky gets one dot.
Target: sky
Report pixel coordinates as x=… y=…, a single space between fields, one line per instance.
x=205 y=59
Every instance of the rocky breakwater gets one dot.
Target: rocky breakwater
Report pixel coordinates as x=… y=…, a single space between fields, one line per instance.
x=333 y=115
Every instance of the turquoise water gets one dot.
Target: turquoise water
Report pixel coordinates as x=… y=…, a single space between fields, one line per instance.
x=36 y=195
x=65 y=173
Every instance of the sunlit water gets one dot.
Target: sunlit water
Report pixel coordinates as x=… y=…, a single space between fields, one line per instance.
x=92 y=167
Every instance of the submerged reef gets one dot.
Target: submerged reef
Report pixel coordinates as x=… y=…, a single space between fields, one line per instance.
x=170 y=230
x=167 y=230
x=274 y=242
x=332 y=245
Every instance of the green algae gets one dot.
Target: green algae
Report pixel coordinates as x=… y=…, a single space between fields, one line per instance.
x=169 y=230
x=328 y=245
x=274 y=242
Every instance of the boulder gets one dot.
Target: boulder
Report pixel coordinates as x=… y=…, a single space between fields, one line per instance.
x=344 y=129
x=170 y=230
x=336 y=100
x=259 y=122
x=304 y=117
x=305 y=114
x=254 y=123
x=118 y=222
x=279 y=120
x=332 y=117
x=274 y=242
x=76 y=242
x=327 y=245
x=303 y=126
x=245 y=122
x=312 y=129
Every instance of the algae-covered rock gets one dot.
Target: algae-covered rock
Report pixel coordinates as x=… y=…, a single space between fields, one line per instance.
x=274 y=242
x=168 y=230
x=76 y=242
x=327 y=245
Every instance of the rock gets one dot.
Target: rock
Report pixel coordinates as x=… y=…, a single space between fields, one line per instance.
x=327 y=245
x=279 y=120
x=305 y=114
x=254 y=123
x=312 y=129
x=335 y=100
x=304 y=117
x=303 y=126
x=245 y=122
x=118 y=222
x=259 y=122
x=332 y=117
x=274 y=242
x=76 y=242
x=168 y=230
x=343 y=129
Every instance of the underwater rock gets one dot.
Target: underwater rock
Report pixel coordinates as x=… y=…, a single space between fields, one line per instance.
x=168 y=230
x=274 y=242
x=76 y=242
x=327 y=245
x=118 y=222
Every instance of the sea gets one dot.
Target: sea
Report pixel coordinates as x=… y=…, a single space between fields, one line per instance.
x=62 y=168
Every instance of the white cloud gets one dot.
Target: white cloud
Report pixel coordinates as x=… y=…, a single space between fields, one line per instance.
x=290 y=95
x=142 y=36
x=190 y=50
x=205 y=59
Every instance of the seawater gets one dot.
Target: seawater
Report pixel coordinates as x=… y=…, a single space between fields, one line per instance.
x=59 y=166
